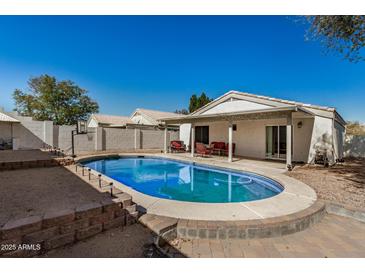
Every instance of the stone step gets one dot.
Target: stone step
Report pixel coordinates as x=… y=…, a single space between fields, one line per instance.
x=123 y=198
x=158 y=224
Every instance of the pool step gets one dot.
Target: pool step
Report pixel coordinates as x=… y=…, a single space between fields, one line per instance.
x=158 y=224
x=252 y=229
x=163 y=228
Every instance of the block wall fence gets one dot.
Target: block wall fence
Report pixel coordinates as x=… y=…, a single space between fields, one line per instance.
x=30 y=134
x=111 y=139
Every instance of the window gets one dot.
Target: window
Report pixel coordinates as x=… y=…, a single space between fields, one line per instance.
x=202 y=134
x=234 y=126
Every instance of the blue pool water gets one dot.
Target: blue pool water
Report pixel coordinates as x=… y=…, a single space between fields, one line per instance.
x=182 y=181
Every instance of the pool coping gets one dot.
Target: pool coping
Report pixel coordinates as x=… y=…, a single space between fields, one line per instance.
x=295 y=197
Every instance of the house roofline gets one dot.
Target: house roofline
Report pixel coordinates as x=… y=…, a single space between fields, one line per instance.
x=235 y=113
x=262 y=97
x=141 y=112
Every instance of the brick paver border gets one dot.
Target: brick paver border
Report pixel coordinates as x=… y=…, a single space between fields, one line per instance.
x=248 y=229
x=251 y=229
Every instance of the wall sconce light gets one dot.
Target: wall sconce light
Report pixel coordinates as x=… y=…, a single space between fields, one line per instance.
x=300 y=124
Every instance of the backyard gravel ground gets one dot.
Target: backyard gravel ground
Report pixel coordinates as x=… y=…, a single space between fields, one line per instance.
x=28 y=192
x=133 y=241
x=343 y=183
x=24 y=155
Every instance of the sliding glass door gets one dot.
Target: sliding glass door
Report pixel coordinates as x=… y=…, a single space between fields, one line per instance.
x=202 y=134
x=276 y=142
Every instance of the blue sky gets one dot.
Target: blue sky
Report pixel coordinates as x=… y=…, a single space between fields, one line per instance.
x=157 y=62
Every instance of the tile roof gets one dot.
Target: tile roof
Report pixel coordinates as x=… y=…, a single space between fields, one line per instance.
x=112 y=119
x=156 y=114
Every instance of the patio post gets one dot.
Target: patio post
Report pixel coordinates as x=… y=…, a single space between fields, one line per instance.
x=229 y=187
x=289 y=143
x=165 y=141
x=230 y=134
x=192 y=143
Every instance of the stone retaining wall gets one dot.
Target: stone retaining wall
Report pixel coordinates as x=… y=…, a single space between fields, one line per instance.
x=35 y=163
x=35 y=235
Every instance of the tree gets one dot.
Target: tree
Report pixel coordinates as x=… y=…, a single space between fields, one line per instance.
x=198 y=102
x=193 y=104
x=344 y=34
x=203 y=100
x=355 y=128
x=63 y=102
x=183 y=111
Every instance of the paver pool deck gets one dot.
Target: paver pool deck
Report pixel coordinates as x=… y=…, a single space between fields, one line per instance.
x=333 y=237
x=295 y=197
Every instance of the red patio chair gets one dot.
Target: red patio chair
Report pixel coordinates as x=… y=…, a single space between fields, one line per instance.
x=177 y=146
x=217 y=147
x=202 y=150
x=226 y=149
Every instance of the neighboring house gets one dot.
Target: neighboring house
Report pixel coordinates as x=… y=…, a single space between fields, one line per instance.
x=23 y=132
x=145 y=118
x=7 y=124
x=266 y=128
x=102 y=120
x=151 y=117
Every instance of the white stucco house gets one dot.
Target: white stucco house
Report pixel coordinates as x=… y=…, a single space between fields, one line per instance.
x=265 y=128
x=7 y=124
x=139 y=118
x=103 y=120
x=23 y=132
x=151 y=117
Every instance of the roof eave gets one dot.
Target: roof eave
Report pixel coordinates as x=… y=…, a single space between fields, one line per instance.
x=232 y=114
x=8 y=119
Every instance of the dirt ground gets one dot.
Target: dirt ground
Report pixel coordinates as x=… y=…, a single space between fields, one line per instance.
x=133 y=241
x=28 y=192
x=343 y=183
x=24 y=155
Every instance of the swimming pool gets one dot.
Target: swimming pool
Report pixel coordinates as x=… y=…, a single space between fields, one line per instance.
x=183 y=181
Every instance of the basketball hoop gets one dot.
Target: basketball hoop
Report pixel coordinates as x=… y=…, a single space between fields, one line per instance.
x=81 y=127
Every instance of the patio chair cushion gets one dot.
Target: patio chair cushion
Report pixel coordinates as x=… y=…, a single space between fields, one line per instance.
x=233 y=147
x=218 y=145
x=202 y=149
x=176 y=144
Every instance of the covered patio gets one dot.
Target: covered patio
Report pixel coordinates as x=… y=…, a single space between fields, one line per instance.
x=7 y=131
x=270 y=168
x=256 y=133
